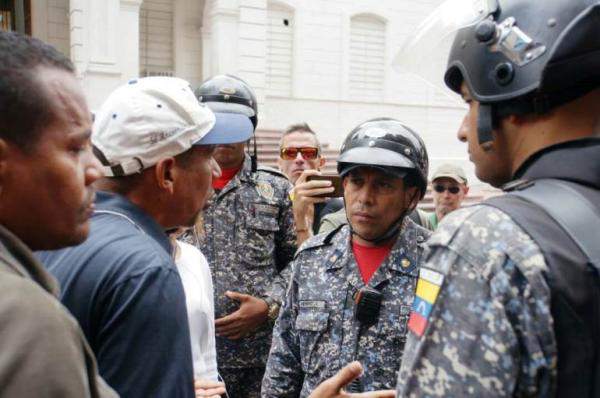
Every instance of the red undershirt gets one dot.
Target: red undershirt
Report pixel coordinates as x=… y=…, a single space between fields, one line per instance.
x=370 y=258
x=226 y=176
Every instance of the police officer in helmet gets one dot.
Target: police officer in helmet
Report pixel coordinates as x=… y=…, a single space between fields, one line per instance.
x=507 y=302
x=352 y=288
x=249 y=240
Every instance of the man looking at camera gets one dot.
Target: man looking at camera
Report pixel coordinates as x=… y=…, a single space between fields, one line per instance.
x=300 y=157
x=449 y=186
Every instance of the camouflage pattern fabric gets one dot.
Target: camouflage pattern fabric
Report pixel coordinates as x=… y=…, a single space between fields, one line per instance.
x=481 y=323
x=317 y=332
x=242 y=383
x=249 y=237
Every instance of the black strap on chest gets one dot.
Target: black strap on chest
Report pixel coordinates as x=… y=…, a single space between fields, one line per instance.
x=571 y=210
x=552 y=203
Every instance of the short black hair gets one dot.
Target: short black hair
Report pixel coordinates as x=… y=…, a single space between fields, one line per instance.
x=24 y=106
x=299 y=127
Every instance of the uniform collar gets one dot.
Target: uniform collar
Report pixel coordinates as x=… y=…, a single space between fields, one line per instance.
x=581 y=156
x=112 y=202
x=244 y=175
x=403 y=257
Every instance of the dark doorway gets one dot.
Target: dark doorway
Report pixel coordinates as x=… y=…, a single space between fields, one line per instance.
x=15 y=16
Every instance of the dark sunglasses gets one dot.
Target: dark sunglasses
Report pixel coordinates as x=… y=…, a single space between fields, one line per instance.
x=307 y=152
x=440 y=188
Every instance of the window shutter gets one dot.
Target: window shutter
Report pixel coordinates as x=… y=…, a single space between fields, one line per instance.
x=367 y=58
x=156 y=38
x=280 y=41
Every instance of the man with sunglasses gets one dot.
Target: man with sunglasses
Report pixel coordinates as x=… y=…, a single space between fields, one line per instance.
x=449 y=184
x=300 y=156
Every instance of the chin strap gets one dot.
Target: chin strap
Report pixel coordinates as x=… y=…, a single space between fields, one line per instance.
x=254 y=155
x=485 y=123
x=392 y=231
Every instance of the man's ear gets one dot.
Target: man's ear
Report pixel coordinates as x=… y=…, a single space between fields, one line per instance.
x=165 y=174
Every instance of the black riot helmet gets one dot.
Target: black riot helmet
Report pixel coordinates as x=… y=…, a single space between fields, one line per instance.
x=527 y=58
x=389 y=145
x=517 y=57
x=229 y=94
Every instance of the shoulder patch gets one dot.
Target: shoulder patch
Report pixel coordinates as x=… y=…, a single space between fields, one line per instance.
x=428 y=288
x=272 y=171
x=265 y=189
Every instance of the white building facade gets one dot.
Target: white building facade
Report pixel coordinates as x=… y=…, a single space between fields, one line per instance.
x=325 y=62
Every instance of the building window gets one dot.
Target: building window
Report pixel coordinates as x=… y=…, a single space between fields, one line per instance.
x=367 y=58
x=280 y=46
x=15 y=16
x=156 y=38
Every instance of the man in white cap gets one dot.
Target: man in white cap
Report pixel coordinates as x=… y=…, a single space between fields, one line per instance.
x=449 y=185
x=155 y=141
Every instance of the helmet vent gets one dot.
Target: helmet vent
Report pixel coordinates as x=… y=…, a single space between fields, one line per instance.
x=504 y=73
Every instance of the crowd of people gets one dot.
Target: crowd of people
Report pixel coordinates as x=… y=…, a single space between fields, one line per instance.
x=146 y=252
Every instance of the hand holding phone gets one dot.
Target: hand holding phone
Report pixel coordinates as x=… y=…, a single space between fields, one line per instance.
x=336 y=183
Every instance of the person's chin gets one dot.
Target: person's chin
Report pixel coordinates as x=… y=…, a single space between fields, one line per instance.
x=75 y=236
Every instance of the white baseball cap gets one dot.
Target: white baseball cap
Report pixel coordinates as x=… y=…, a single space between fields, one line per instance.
x=152 y=118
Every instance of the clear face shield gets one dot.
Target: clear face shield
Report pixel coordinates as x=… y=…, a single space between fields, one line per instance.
x=425 y=53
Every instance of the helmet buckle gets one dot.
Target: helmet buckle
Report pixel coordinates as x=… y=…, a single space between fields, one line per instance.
x=515 y=44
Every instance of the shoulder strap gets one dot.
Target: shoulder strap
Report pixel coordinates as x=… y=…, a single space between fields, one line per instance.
x=571 y=210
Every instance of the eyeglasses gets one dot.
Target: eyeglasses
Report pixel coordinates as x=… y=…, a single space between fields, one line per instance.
x=308 y=153
x=440 y=188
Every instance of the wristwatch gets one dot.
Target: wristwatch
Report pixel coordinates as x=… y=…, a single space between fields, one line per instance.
x=273 y=312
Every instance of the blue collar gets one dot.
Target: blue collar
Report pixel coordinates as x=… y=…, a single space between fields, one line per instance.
x=112 y=202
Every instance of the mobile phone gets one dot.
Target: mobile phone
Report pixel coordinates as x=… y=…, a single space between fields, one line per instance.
x=336 y=183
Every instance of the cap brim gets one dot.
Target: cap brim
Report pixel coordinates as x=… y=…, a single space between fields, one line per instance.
x=398 y=173
x=229 y=128
x=454 y=177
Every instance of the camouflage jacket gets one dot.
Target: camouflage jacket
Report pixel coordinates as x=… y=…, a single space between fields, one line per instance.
x=249 y=241
x=480 y=324
x=317 y=333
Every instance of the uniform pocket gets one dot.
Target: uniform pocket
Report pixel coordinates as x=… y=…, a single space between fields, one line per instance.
x=256 y=242
x=311 y=324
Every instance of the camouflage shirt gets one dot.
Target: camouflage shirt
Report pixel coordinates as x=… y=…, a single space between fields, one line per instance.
x=249 y=242
x=317 y=332
x=480 y=324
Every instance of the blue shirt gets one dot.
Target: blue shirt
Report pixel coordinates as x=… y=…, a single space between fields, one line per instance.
x=122 y=286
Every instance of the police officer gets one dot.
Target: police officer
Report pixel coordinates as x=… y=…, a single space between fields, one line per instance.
x=352 y=288
x=249 y=240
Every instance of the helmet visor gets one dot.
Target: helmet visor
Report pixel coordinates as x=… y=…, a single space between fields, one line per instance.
x=425 y=54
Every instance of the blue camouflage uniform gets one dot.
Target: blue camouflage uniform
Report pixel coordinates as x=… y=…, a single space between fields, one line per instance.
x=317 y=333
x=484 y=323
x=481 y=314
x=249 y=241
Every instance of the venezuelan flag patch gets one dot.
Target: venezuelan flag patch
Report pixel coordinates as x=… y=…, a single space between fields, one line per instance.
x=428 y=288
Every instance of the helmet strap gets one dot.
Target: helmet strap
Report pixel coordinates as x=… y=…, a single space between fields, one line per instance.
x=485 y=124
x=253 y=154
